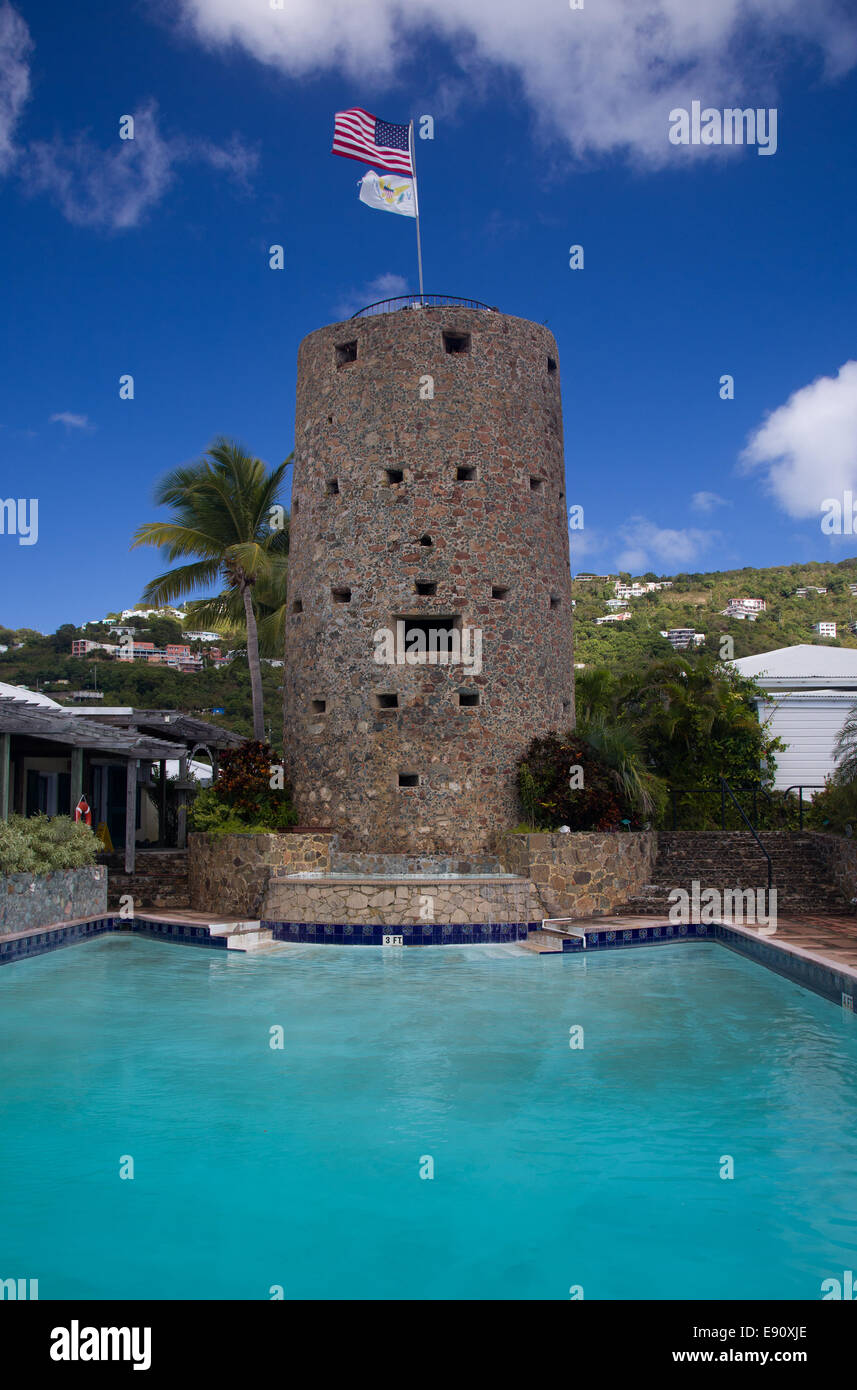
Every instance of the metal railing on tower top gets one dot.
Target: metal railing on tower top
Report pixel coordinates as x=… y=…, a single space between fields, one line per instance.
x=422 y=301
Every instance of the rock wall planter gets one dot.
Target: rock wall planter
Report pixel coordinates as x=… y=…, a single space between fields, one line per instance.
x=228 y=874
x=582 y=874
x=43 y=900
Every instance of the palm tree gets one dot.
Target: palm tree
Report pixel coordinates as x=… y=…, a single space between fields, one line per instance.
x=222 y=509
x=845 y=750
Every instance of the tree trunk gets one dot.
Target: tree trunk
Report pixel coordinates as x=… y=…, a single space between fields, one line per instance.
x=253 y=663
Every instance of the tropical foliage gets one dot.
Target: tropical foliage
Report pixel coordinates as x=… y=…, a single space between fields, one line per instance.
x=243 y=798
x=38 y=845
x=224 y=513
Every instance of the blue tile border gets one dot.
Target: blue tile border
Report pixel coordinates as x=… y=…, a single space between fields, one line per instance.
x=40 y=941
x=834 y=985
x=435 y=934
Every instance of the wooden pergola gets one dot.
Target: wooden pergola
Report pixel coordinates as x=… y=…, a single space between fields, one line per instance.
x=129 y=736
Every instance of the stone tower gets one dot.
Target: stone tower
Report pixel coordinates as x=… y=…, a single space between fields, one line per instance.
x=428 y=496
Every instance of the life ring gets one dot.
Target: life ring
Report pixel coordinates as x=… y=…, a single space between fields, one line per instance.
x=82 y=811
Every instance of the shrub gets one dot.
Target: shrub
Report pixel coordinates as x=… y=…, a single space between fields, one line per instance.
x=834 y=808
x=242 y=800
x=547 y=798
x=39 y=845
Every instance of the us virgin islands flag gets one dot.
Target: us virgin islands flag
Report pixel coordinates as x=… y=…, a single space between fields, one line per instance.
x=388 y=193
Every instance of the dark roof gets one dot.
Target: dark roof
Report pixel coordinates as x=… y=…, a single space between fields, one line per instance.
x=62 y=726
x=169 y=724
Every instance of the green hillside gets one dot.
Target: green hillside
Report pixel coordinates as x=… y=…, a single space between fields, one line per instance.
x=45 y=663
x=696 y=601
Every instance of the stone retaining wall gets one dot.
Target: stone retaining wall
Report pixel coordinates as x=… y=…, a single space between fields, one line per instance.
x=582 y=874
x=228 y=874
x=42 y=900
x=840 y=858
x=398 y=902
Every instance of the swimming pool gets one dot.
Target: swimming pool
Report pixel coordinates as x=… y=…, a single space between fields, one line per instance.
x=554 y=1167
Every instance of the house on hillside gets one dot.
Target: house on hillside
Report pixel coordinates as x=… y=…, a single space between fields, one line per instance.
x=809 y=693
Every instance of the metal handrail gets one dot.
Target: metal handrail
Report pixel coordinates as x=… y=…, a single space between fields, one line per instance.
x=726 y=787
x=422 y=301
x=798 y=787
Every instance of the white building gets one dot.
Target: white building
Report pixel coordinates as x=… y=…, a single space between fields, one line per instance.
x=683 y=637
x=614 y=618
x=744 y=608
x=809 y=693
x=824 y=629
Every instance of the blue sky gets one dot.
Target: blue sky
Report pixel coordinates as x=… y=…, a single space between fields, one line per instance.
x=551 y=129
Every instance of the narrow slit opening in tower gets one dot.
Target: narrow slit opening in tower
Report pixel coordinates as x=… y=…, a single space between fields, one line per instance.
x=333 y=487
x=426 y=540
x=467 y=699
x=537 y=484
x=465 y=474
x=341 y=594
x=499 y=591
x=566 y=706
x=456 y=342
x=409 y=779
x=551 y=365
x=426 y=587
x=297 y=606
x=387 y=700
x=346 y=352
x=296 y=506
x=394 y=475
x=319 y=706
x=555 y=600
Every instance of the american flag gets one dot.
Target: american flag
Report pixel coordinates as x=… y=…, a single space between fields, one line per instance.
x=357 y=135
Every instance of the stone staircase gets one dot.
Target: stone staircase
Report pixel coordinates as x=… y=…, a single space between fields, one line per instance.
x=159 y=879
x=732 y=859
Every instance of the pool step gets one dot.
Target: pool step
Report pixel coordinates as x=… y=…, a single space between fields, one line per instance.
x=243 y=936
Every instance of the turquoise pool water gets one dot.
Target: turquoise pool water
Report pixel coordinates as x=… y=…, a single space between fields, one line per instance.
x=301 y=1168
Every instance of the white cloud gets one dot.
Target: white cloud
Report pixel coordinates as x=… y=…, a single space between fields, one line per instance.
x=116 y=188
x=385 y=286
x=71 y=421
x=647 y=546
x=708 y=501
x=15 y=45
x=603 y=78
x=808 y=447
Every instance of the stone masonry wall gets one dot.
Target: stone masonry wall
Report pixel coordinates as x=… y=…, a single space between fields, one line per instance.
x=41 y=900
x=583 y=874
x=840 y=858
x=415 y=465
x=229 y=874
x=392 y=902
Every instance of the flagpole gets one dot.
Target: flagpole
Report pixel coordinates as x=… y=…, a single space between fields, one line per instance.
x=416 y=203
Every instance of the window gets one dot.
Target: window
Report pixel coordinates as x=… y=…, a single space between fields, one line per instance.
x=551 y=365
x=429 y=641
x=456 y=342
x=465 y=475
x=346 y=352
x=426 y=587
x=499 y=590
x=341 y=594
x=319 y=706
x=387 y=700
x=426 y=540
x=555 y=600
x=297 y=606
x=566 y=706
x=536 y=484
x=296 y=506
x=394 y=475
x=409 y=779
x=468 y=698
x=333 y=487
